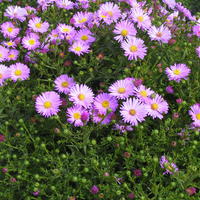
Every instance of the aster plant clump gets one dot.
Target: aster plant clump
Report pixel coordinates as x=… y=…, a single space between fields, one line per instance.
x=99 y=100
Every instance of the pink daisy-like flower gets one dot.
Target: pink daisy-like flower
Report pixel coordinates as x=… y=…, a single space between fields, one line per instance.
x=16 y=12
x=66 y=4
x=77 y=115
x=170 y=168
x=37 y=25
x=65 y=29
x=81 y=95
x=133 y=111
x=109 y=12
x=134 y=48
x=81 y=19
x=64 y=83
x=170 y=3
x=177 y=72
x=54 y=36
x=143 y=93
x=10 y=44
x=9 y=30
x=3 y=53
x=31 y=41
x=141 y=18
x=47 y=104
x=198 y=51
x=19 y=71
x=156 y=107
x=13 y=54
x=85 y=36
x=161 y=34
x=121 y=89
x=194 y=112
x=196 y=30
x=104 y=102
x=101 y=118
x=4 y=74
x=124 y=29
x=79 y=48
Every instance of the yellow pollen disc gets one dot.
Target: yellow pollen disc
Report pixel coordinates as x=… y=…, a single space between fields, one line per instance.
x=84 y=37
x=65 y=29
x=18 y=72
x=11 y=56
x=47 y=104
x=124 y=32
x=1 y=76
x=154 y=106
x=198 y=116
x=143 y=93
x=38 y=25
x=65 y=84
x=133 y=48
x=82 y=20
x=105 y=104
x=78 y=49
x=176 y=71
x=31 y=41
x=10 y=29
x=103 y=16
x=121 y=90
x=110 y=13
x=81 y=97
x=159 y=34
x=1 y=55
x=140 y=19
x=169 y=168
x=9 y=43
x=101 y=115
x=132 y=112
x=77 y=116
x=55 y=35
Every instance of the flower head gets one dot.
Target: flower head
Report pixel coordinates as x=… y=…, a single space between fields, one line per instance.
x=16 y=12
x=170 y=168
x=194 y=112
x=31 y=41
x=4 y=74
x=9 y=30
x=3 y=54
x=37 y=25
x=79 y=48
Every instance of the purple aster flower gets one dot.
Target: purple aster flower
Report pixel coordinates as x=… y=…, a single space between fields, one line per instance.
x=64 y=83
x=12 y=55
x=54 y=36
x=124 y=30
x=121 y=127
x=81 y=19
x=9 y=30
x=161 y=34
x=121 y=89
x=133 y=111
x=177 y=72
x=77 y=115
x=16 y=12
x=169 y=89
x=4 y=74
x=109 y=12
x=141 y=18
x=170 y=3
x=134 y=48
x=104 y=102
x=81 y=95
x=45 y=3
x=65 y=29
x=143 y=93
x=79 y=48
x=170 y=168
x=31 y=41
x=37 y=25
x=47 y=104
x=156 y=107
x=3 y=53
x=198 y=51
x=101 y=118
x=85 y=36
x=19 y=71
x=196 y=30
x=10 y=44
x=194 y=112
x=66 y=4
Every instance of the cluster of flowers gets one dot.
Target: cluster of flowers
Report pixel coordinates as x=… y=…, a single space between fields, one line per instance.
x=135 y=102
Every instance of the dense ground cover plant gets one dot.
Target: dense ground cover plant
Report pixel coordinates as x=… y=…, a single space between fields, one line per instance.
x=99 y=100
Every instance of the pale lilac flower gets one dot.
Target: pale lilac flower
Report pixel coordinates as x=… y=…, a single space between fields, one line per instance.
x=31 y=41
x=9 y=30
x=194 y=112
x=37 y=25
x=4 y=74
x=3 y=53
x=79 y=48
x=198 y=51
x=170 y=168
x=85 y=36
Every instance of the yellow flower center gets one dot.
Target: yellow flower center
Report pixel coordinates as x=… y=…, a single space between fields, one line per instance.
x=55 y=35
x=11 y=56
x=133 y=48
x=65 y=84
x=9 y=43
x=169 y=168
x=103 y=16
x=38 y=25
x=84 y=37
x=176 y=71
x=121 y=90
x=143 y=93
x=198 y=116
x=159 y=34
x=105 y=104
x=81 y=97
x=1 y=55
x=10 y=29
x=140 y=18
x=154 y=106
x=31 y=41
x=77 y=116
x=82 y=20
x=124 y=32
x=18 y=72
x=132 y=112
x=110 y=13
x=1 y=76
x=47 y=104
x=65 y=29
x=78 y=49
